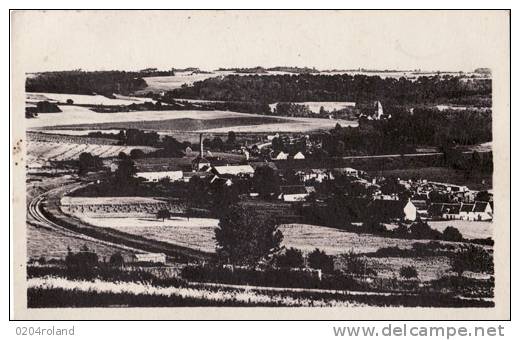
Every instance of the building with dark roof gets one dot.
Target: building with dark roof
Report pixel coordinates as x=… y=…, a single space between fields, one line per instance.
x=393 y=209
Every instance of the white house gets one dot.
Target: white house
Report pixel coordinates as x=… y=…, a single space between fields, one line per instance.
x=156 y=176
x=479 y=211
x=149 y=258
x=293 y=193
x=281 y=155
x=347 y=171
x=319 y=175
x=299 y=155
x=235 y=170
x=394 y=209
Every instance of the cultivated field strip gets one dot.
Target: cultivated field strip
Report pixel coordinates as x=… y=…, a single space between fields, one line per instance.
x=55 y=151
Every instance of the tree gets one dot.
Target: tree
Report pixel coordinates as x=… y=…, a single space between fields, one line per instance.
x=291 y=258
x=217 y=143
x=231 y=138
x=265 y=181
x=408 y=272
x=317 y=259
x=125 y=172
x=136 y=153
x=472 y=258
x=70 y=101
x=163 y=213
x=244 y=237
x=117 y=259
x=88 y=162
x=452 y=234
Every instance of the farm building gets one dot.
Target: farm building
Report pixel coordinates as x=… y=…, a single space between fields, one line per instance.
x=156 y=176
x=298 y=155
x=149 y=258
x=281 y=155
x=478 y=211
x=394 y=209
x=347 y=171
x=234 y=170
x=319 y=175
x=293 y=193
x=221 y=181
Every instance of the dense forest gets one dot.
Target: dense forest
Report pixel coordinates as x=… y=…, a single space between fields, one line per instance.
x=405 y=131
x=80 y=82
x=358 y=88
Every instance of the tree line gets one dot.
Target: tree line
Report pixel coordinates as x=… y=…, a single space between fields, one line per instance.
x=343 y=87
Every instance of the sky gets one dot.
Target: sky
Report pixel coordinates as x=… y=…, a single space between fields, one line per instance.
x=133 y=40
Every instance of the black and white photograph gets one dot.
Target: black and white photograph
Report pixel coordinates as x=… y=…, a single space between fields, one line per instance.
x=326 y=161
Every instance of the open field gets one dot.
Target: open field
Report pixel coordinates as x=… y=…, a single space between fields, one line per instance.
x=83 y=99
x=204 y=121
x=468 y=229
x=53 y=245
x=77 y=115
x=333 y=241
x=199 y=233
x=55 y=151
x=428 y=268
x=195 y=233
x=183 y=124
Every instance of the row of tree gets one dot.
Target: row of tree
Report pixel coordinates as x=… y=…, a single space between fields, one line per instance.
x=343 y=87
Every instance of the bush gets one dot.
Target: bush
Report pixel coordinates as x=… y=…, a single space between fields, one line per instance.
x=472 y=258
x=319 y=260
x=291 y=258
x=408 y=272
x=117 y=259
x=356 y=265
x=452 y=234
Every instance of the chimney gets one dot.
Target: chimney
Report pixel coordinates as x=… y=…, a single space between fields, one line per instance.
x=201 y=148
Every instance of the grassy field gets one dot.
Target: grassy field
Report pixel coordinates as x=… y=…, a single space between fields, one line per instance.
x=195 y=233
x=56 y=151
x=53 y=245
x=198 y=233
x=468 y=229
x=78 y=115
x=428 y=268
x=183 y=124
x=82 y=99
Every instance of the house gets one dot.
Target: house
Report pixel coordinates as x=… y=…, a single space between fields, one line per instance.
x=451 y=211
x=156 y=176
x=298 y=155
x=478 y=211
x=347 y=171
x=421 y=206
x=187 y=176
x=293 y=193
x=393 y=209
x=318 y=175
x=281 y=155
x=245 y=170
x=149 y=258
x=221 y=181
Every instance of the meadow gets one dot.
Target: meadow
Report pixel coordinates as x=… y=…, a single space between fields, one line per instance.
x=83 y=99
x=55 y=151
x=468 y=229
x=51 y=244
